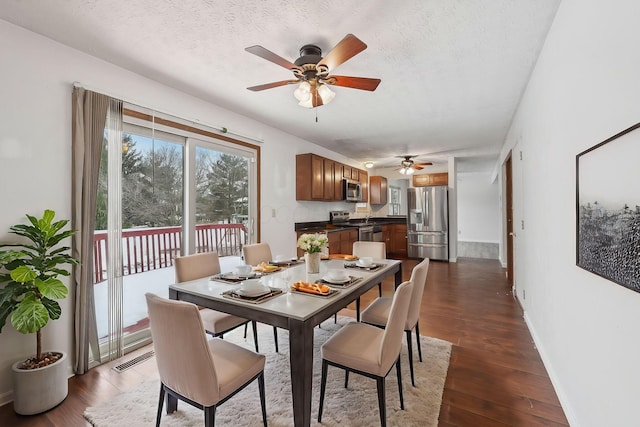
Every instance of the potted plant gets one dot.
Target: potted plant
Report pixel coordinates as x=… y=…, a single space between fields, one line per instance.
x=29 y=272
x=312 y=245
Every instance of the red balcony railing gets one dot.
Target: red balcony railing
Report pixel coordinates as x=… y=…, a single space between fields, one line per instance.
x=152 y=248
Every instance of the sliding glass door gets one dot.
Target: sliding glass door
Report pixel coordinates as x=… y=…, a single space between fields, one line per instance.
x=178 y=192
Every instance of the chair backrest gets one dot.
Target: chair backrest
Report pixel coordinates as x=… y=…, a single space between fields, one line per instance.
x=372 y=249
x=182 y=354
x=256 y=253
x=419 y=280
x=196 y=266
x=392 y=338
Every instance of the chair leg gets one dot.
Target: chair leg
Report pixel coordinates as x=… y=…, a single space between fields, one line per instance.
x=380 y=289
x=418 y=340
x=210 y=416
x=246 y=326
x=262 y=398
x=335 y=318
x=172 y=403
x=323 y=386
x=399 y=372
x=160 y=405
x=358 y=309
x=275 y=337
x=346 y=378
x=410 y=351
x=382 y=407
x=254 y=325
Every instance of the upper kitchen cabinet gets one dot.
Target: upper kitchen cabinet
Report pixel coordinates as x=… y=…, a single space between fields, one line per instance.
x=310 y=176
x=329 y=179
x=338 y=173
x=364 y=185
x=320 y=179
x=427 y=179
x=378 y=190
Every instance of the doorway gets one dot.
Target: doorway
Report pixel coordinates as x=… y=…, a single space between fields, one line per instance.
x=509 y=217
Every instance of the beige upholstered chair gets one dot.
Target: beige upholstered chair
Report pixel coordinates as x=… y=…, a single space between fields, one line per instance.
x=377 y=250
x=368 y=350
x=196 y=266
x=254 y=254
x=372 y=249
x=202 y=373
x=378 y=312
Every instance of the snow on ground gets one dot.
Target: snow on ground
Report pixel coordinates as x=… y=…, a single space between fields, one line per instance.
x=134 y=288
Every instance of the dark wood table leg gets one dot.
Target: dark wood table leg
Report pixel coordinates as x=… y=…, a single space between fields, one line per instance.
x=398 y=276
x=301 y=362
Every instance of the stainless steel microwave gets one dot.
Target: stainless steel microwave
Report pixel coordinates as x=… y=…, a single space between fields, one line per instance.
x=352 y=190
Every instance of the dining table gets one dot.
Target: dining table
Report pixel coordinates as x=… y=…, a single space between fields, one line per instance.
x=298 y=312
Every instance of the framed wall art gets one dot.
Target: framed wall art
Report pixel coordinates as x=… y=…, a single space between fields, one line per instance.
x=608 y=208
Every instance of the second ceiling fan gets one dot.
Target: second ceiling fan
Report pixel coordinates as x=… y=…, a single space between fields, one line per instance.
x=408 y=166
x=311 y=70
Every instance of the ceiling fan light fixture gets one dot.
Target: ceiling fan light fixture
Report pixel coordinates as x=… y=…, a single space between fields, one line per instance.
x=406 y=170
x=303 y=92
x=325 y=93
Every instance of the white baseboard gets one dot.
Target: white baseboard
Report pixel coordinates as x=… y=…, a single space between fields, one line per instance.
x=555 y=382
x=6 y=398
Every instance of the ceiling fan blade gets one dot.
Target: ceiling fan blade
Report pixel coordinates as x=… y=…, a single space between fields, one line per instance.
x=272 y=85
x=417 y=167
x=348 y=47
x=424 y=164
x=363 y=83
x=270 y=56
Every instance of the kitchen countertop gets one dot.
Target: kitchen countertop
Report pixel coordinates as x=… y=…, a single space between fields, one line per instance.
x=327 y=227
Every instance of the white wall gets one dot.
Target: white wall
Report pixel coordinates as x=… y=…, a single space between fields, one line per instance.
x=36 y=80
x=585 y=88
x=478 y=208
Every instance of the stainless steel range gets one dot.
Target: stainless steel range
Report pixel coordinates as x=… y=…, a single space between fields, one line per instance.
x=368 y=232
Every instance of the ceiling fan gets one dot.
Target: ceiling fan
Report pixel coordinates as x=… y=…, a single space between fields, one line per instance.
x=312 y=70
x=408 y=166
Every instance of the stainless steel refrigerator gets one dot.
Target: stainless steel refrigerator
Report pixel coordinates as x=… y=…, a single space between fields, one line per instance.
x=428 y=223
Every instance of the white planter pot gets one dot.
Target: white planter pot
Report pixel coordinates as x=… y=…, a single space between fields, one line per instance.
x=38 y=390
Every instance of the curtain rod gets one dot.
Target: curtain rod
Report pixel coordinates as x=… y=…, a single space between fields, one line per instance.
x=221 y=129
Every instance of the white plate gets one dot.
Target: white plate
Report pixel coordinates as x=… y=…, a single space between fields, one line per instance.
x=337 y=281
x=359 y=263
x=253 y=292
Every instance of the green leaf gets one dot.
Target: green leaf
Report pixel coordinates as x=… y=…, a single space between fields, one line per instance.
x=6 y=309
x=52 y=288
x=30 y=316
x=23 y=274
x=53 y=308
x=8 y=256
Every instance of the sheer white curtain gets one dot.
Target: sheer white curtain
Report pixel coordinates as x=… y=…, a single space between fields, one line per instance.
x=113 y=133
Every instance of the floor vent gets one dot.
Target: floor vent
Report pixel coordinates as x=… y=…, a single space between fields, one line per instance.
x=133 y=362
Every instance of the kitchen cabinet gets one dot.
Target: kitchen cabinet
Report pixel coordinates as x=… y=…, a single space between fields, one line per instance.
x=338 y=174
x=378 y=190
x=329 y=179
x=309 y=177
x=341 y=242
x=398 y=235
x=364 y=185
x=386 y=236
x=320 y=179
x=427 y=179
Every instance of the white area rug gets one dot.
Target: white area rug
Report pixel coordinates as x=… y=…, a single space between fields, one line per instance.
x=354 y=406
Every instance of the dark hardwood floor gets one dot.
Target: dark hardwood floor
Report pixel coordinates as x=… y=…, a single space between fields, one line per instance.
x=495 y=378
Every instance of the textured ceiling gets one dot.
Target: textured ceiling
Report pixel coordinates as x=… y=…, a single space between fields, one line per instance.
x=452 y=71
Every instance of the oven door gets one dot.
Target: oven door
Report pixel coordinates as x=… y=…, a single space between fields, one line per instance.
x=365 y=234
